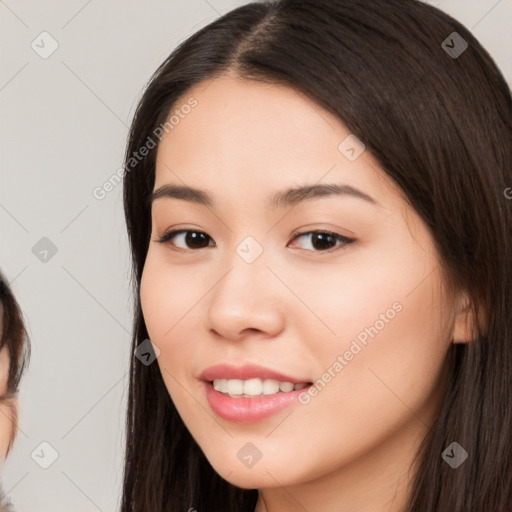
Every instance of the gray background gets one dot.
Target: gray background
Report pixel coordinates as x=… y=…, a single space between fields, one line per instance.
x=63 y=128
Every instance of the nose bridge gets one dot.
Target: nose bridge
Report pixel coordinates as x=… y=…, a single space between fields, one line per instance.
x=246 y=269
x=243 y=298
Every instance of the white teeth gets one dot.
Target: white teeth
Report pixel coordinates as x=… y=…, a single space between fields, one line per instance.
x=254 y=387
x=286 y=386
x=235 y=387
x=220 y=384
x=270 y=386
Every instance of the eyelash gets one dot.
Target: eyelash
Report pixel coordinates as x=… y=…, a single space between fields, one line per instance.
x=166 y=237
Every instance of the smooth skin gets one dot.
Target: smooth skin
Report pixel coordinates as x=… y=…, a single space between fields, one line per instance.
x=297 y=306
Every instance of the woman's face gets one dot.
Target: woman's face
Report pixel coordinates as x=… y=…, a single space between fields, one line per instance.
x=369 y=319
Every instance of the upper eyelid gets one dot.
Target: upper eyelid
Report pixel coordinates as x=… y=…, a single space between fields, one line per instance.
x=294 y=234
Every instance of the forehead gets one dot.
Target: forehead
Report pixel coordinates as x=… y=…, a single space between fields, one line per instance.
x=257 y=135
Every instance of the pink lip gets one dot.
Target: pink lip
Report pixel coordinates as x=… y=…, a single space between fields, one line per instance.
x=245 y=372
x=249 y=410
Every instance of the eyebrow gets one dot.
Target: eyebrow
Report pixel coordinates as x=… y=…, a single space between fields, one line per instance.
x=289 y=197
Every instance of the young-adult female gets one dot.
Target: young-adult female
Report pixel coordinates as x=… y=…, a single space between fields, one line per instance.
x=14 y=358
x=319 y=189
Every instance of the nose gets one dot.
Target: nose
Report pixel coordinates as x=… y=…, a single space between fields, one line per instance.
x=246 y=300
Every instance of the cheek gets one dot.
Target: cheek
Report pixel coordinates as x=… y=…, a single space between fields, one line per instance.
x=170 y=305
x=167 y=292
x=392 y=344
x=388 y=321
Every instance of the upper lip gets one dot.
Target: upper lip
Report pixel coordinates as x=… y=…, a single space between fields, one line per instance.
x=245 y=372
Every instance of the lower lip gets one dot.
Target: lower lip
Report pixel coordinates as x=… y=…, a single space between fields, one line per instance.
x=249 y=410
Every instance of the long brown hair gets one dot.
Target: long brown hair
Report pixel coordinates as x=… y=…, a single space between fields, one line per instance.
x=439 y=122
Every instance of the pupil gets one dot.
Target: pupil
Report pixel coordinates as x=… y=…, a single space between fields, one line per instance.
x=194 y=238
x=322 y=238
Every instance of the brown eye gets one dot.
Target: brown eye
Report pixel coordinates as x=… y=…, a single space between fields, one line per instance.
x=192 y=239
x=325 y=241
